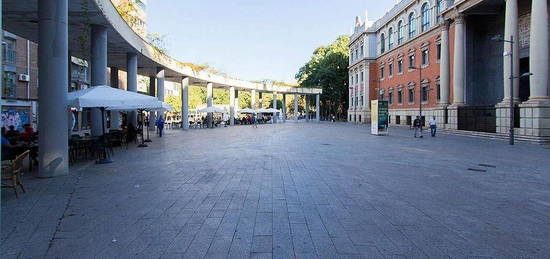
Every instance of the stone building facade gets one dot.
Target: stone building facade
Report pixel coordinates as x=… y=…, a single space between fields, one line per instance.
x=446 y=59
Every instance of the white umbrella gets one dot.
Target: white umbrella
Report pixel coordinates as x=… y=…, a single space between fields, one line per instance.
x=270 y=110
x=111 y=98
x=212 y=109
x=247 y=110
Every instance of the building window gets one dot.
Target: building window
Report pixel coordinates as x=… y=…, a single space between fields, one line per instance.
x=362 y=76
x=397 y=119
x=352 y=57
x=411 y=95
x=425 y=17
x=400 y=33
x=412 y=25
x=390 y=97
x=412 y=62
x=382 y=96
x=382 y=73
x=425 y=57
x=400 y=66
x=382 y=44
x=361 y=100
x=438 y=86
x=356 y=53
x=390 y=69
x=438 y=51
x=9 y=55
x=361 y=51
x=390 y=38
x=400 y=97
x=357 y=101
x=10 y=87
x=424 y=93
x=438 y=9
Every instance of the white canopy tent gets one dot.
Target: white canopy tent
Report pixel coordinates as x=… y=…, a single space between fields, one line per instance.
x=269 y=110
x=212 y=109
x=111 y=98
x=247 y=110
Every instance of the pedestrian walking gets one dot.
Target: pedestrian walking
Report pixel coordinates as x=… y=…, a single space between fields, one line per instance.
x=254 y=121
x=433 y=126
x=417 y=124
x=160 y=125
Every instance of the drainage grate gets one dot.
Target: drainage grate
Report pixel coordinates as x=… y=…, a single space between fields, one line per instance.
x=487 y=165
x=477 y=170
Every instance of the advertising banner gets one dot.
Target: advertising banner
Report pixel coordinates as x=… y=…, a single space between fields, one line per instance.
x=379 y=117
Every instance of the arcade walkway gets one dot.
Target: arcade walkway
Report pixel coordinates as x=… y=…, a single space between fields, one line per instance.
x=292 y=190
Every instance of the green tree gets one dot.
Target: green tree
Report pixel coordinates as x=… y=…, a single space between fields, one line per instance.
x=328 y=69
x=175 y=102
x=197 y=96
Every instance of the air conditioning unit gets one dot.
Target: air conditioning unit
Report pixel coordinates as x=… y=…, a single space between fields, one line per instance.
x=24 y=78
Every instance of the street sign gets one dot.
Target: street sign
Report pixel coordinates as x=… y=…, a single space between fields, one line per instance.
x=379 y=117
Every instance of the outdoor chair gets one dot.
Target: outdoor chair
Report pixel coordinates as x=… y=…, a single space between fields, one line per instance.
x=12 y=173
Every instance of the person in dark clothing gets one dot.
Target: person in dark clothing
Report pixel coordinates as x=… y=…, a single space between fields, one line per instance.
x=12 y=135
x=160 y=125
x=417 y=124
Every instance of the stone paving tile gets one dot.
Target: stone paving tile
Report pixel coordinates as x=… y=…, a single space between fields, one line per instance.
x=290 y=191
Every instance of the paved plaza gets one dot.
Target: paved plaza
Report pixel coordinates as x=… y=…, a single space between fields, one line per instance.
x=291 y=190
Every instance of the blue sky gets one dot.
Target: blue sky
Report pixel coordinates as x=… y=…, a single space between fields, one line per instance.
x=255 y=39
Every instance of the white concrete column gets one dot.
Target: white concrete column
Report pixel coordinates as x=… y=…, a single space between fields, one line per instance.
x=296 y=112
x=53 y=56
x=275 y=97
x=284 y=108
x=538 y=56
x=131 y=77
x=307 y=106
x=185 y=103
x=459 y=58
x=209 y=101
x=444 y=68
x=115 y=115
x=511 y=29
x=232 y=106
x=317 y=107
x=98 y=71
x=237 y=103
x=152 y=92
x=160 y=91
x=253 y=99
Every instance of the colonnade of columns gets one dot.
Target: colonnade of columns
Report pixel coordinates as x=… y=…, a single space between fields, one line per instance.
x=53 y=63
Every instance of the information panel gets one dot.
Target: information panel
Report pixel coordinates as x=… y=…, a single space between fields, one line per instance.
x=379 y=117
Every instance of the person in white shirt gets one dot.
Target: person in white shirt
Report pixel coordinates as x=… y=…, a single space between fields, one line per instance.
x=433 y=126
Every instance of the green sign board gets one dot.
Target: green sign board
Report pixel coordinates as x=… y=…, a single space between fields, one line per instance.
x=383 y=114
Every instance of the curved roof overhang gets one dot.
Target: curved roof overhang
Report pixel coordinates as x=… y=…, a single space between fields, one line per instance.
x=21 y=18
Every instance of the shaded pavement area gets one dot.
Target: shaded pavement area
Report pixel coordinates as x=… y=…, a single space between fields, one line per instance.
x=291 y=190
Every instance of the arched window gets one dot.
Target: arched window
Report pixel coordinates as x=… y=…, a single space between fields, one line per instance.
x=390 y=38
x=400 y=33
x=382 y=43
x=425 y=17
x=438 y=10
x=412 y=25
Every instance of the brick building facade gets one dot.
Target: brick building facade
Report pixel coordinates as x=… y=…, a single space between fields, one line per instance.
x=445 y=58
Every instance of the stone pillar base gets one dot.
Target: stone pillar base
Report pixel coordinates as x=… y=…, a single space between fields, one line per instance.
x=352 y=115
x=503 y=117
x=452 y=117
x=535 y=119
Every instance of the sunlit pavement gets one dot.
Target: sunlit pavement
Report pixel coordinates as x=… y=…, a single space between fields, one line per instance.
x=292 y=190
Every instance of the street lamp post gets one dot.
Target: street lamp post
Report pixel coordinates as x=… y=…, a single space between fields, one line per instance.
x=499 y=38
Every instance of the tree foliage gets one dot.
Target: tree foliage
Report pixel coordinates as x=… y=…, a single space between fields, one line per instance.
x=328 y=69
